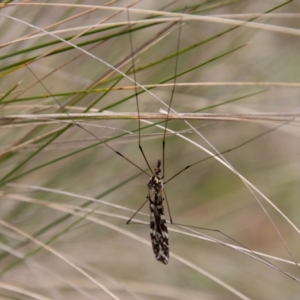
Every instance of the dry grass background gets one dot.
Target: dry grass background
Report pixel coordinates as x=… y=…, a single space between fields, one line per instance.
x=57 y=241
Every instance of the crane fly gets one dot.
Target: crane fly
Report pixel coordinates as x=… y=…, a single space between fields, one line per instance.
x=156 y=195
x=158 y=226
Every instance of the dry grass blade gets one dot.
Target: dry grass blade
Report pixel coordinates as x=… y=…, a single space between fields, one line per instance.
x=211 y=89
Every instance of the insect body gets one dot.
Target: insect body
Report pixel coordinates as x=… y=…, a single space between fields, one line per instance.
x=158 y=228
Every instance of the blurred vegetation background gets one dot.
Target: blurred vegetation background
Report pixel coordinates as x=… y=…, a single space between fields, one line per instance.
x=66 y=196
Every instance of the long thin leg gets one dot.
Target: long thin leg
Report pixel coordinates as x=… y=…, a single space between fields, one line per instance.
x=167 y=118
x=226 y=151
x=83 y=128
x=137 y=211
x=136 y=95
x=171 y=100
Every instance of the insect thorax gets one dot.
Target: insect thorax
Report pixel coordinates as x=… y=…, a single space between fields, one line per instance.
x=155 y=183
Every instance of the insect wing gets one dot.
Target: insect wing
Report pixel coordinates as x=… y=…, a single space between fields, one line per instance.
x=158 y=228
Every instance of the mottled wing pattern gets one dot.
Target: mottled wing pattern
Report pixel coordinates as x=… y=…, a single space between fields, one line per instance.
x=158 y=227
x=158 y=230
